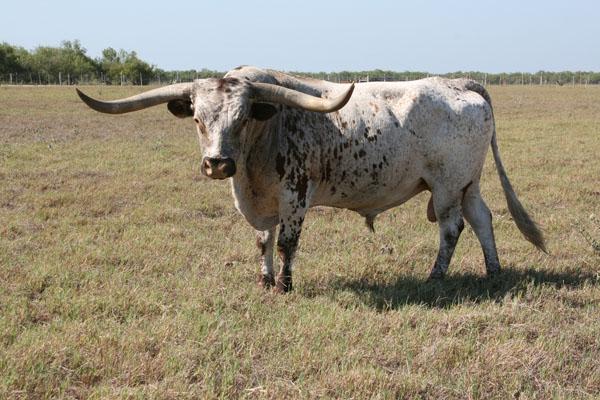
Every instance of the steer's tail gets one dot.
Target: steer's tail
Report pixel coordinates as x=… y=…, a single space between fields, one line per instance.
x=524 y=222
x=526 y=225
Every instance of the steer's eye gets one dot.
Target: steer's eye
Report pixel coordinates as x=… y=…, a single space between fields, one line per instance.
x=200 y=125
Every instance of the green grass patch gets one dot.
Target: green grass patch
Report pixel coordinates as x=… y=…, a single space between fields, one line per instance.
x=125 y=274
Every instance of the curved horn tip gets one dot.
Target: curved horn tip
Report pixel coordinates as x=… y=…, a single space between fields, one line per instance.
x=351 y=89
x=81 y=95
x=346 y=96
x=91 y=103
x=85 y=98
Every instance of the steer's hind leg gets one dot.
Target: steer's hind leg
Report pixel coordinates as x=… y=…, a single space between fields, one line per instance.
x=264 y=242
x=479 y=217
x=447 y=208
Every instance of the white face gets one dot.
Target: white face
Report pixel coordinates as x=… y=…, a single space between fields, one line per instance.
x=220 y=109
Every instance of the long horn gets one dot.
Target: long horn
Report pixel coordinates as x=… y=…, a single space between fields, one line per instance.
x=266 y=92
x=138 y=102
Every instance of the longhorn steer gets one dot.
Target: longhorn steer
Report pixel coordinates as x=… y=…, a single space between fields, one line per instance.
x=288 y=145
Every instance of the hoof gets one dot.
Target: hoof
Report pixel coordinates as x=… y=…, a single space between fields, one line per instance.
x=284 y=284
x=436 y=275
x=492 y=265
x=266 y=281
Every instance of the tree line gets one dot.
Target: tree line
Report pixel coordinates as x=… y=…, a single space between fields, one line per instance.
x=69 y=63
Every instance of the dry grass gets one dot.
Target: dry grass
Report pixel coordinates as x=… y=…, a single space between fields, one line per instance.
x=123 y=274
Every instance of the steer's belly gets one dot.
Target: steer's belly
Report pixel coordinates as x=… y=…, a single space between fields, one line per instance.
x=370 y=198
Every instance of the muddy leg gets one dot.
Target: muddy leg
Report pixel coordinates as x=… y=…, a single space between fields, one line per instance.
x=287 y=243
x=264 y=242
x=291 y=216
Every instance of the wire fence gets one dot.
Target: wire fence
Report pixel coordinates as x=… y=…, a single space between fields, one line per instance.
x=540 y=78
x=101 y=79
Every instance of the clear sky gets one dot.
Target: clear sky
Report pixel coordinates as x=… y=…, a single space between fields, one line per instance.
x=320 y=35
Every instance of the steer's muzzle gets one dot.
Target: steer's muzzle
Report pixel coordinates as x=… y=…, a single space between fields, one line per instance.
x=218 y=168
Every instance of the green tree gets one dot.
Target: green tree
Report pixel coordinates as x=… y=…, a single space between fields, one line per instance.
x=13 y=59
x=76 y=61
x=111 y=66
x=136 y=70
x=117 y=64
x=70 y=61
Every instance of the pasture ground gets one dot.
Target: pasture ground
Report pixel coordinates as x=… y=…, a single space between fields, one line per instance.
x=125 y=274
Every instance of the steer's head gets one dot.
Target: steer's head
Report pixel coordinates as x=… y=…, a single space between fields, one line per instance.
x=220 y=109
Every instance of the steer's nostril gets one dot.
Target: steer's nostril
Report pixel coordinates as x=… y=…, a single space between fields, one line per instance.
x=206 y=167
x=218 y=168
x=227 y=167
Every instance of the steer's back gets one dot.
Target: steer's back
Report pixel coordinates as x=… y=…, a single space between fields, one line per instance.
x=391 y=138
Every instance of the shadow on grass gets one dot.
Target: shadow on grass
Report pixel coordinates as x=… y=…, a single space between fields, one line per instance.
x=458 y=289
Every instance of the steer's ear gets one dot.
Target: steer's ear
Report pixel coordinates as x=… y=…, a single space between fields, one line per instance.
x=180 y=108
x=262 y=111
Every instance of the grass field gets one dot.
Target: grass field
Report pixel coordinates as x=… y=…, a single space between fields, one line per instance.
x=125 y=274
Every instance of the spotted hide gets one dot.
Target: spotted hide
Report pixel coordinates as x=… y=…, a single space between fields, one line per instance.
x=389 y=142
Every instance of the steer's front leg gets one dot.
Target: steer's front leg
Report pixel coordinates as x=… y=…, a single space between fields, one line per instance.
x=291 y=215
x=264 y=241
